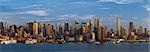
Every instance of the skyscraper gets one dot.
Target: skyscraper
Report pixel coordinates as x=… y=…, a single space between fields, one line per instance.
x=91 y=25
x=41 y=28
x=48 y=29
x=12 y=30
x=66 y=26
x=83 y=28
x=30 y=27
x=97 y=29
x=100 y=30
x=21 y=31
x=77 y=27
x=131 y=27
x=1 y=27
x=35 y=28
x=118 y=26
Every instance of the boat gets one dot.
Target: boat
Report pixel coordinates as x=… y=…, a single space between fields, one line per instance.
x=119 y=40
x=31 y=41
x=97 y=42
x=8 y=42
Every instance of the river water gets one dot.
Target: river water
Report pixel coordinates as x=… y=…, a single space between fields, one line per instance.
x=74 y=47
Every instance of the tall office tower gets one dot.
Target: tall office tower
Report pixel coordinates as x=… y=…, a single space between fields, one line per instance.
x=99 y=23
x=1 y=27
x=35 y=28
x=83 y=28
x=145 y=31
x=5 y=31
x=100 y=31
x=102 y=35
x=118 y=26
x=77 y=24
x=77 y=27
x=30 y=28
x=90 y=29
x=66 y=26
x=121 y=31
x=56 y=30
x=66 y=30
x=21 y=31
x=131 y=27
x=105 y=32
x=60 y=31
x=41 y=29
x=72 y=31
x=48 y=30
x=140 y=31
x=44 y=30
x=97 y=29
x=5 y=26
x=91 y=25
x=53 y=30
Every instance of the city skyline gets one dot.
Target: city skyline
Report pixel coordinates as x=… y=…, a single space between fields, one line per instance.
x=74 y=25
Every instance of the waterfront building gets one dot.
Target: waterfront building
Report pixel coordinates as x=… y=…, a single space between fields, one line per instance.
x=125 y=32
x=35 y=28
x=132 y=36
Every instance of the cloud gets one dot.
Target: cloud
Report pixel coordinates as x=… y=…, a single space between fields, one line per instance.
x=36 y=12
x=29 y=6
x=147 y=7
x=121 y=1
x=75 y=16
x=103 y=8
x=78 y=3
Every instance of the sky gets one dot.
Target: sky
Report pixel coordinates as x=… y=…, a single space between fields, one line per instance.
x=58 y=11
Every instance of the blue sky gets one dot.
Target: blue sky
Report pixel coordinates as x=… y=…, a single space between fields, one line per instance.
x=58 y=11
